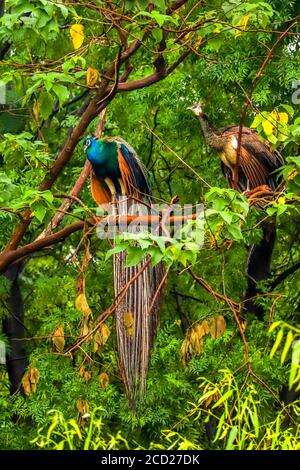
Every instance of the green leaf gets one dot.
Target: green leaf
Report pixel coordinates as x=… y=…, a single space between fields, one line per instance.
x=231 y=438
x=223 y=398
x=115 y=250
x=234 y=232
x=277 y=343
x=62 y=93
x=46 y=103
x=288 y=343
x=39 y=210
x=134 y=256
x=157 y=34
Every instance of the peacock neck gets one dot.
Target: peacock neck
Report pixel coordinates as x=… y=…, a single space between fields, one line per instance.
x=102 y=152
x=210 y=133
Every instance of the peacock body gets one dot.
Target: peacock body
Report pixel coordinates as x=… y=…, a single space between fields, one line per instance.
x=119 y=177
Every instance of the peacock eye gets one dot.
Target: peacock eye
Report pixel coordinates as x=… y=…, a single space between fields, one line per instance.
x=87 y=144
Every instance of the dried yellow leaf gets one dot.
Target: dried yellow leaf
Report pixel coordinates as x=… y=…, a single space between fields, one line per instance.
x=199 y=329
x=198 y=42
x=36 y=108
x=81 y=370
x=87 y=376
x=205 y=325
x=213 y=328
x=220 y=326
x=129 y=323
x=26 y=384
x=58 y=339
x=77 y=35
x=103 y=380
x=292 y=175
x=101 y=337
x=82 y=305
x=92 y=77
x=82 y=407
x=30 y=380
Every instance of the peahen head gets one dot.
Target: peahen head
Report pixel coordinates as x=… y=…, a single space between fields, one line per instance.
x=197 y=109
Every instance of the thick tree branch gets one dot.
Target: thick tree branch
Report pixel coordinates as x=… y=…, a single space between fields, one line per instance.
x=153 y=77
x=11 y=256
x=281 y=277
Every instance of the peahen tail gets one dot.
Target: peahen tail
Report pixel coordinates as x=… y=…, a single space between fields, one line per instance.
x=137 y=313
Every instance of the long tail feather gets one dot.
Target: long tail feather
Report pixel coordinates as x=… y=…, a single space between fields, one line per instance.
x=136 y=316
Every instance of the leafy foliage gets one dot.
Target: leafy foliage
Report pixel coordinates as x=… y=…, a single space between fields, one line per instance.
x=56 y=63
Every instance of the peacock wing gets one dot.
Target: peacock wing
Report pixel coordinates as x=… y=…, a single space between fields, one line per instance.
x=99 y=190
x=133 y=171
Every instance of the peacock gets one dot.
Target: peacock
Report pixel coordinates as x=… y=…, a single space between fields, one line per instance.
x=257 y=162
x=119 y=178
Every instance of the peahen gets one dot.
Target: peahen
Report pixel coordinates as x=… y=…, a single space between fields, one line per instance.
x=257 y=162
x=119 y=177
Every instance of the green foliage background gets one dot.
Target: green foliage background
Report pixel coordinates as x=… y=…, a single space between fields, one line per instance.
x=43 y=67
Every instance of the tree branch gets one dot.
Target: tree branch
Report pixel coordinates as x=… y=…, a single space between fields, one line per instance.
x=153 y=77
x=11 y=256
x=281 y=277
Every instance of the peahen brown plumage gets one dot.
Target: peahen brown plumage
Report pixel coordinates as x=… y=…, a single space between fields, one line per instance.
x=256 y=163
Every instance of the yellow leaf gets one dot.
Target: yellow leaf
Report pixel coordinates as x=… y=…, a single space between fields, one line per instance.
x=36 y=108
x=103 y=380
x=92 y=77
x=213 y=328
x=281 y=200
x=199 y=329
x=58 y=339
x=26 y=384
x=242 y=24
x=198 y=42
x=283 y=118
x=77 y=35
x=82 y=407
x=30 y=380
x=205 y=325
x=292 y=174
x=129 y=323
x=87 y=376
x=268 y=127
x=101 y=337
x=220 y=326
x=82 y=305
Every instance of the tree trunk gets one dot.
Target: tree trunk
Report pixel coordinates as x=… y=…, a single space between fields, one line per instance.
x=13 y=327
x=259 y=267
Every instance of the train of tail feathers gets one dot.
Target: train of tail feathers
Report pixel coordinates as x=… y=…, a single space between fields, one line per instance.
x=118 y=176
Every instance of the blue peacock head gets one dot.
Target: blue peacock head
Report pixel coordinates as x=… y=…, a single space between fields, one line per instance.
x=87 y=141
